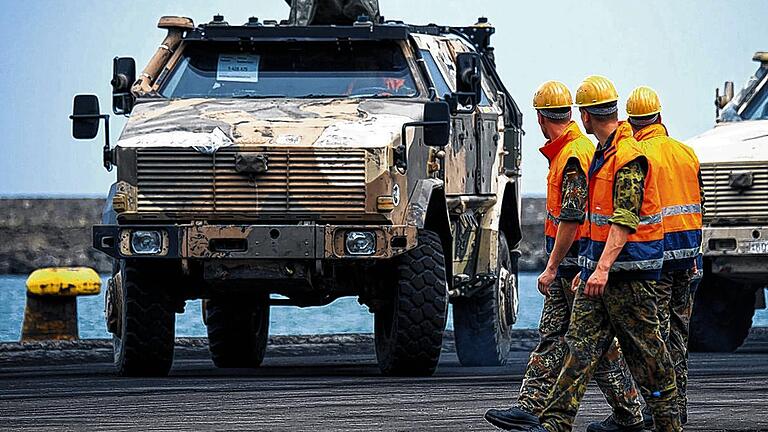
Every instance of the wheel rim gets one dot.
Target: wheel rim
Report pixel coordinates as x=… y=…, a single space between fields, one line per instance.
x=506 y=285
x=504 y=301
x=512 y=299
x=118 y=306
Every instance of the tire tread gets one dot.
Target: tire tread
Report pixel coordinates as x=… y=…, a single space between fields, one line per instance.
x=420 y=313
x=149 y=325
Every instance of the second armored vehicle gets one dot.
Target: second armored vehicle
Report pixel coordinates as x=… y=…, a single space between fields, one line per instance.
x=734 y=165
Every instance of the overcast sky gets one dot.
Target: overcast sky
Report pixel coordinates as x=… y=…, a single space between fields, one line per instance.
x=52 y=49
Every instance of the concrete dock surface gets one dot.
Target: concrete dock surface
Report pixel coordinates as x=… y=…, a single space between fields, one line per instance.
x=324 y=384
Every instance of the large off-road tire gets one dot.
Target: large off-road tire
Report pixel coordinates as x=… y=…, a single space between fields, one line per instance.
x=144 y=336
x=722 y=315
x=238 y=330
x=409 y=326
x=483 y=323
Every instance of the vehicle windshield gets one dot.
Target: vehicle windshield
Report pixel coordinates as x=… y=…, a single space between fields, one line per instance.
x=291 y=70
x=751 y=103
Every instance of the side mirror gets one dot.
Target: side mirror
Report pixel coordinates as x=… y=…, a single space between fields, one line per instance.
x=86 y=117
x=468 y=78
x=437 y=124
x=468 y=83
x=123 y=77
x=721 y=100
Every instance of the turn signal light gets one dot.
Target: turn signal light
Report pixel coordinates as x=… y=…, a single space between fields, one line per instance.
x=386 y=203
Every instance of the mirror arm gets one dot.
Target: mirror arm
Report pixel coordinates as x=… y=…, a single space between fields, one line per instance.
x=128 y=101
x=401 y=152
x=453 y=102
x=717 y=103
x=107 y=150
x=401 y=157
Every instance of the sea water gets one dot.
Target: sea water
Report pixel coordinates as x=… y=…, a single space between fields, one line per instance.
x=345 y=315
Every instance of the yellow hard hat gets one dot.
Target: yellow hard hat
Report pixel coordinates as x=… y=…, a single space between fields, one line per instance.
x=595 y=90
x=643 y=101
x=552 y=94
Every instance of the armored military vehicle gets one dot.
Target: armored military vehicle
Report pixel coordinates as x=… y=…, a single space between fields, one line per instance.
x=297 y=162
x=734 y=164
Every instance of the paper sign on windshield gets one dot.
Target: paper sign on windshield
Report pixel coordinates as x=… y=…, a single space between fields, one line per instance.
x=238 y=67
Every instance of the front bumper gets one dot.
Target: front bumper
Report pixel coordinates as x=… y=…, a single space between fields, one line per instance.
x=739 y=253
x=274 y=242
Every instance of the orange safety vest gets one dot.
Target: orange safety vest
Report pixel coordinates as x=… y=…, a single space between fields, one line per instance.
x=643 y=255
x=571 y=144
x=681 y=204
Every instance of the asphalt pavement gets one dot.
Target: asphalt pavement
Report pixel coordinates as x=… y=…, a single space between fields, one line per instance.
x=322 y=389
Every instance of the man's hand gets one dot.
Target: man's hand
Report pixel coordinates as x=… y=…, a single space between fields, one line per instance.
x=596 y=283
x=575 y=282
x=546 y=279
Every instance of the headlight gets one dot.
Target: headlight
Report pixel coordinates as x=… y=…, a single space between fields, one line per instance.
x=361 y=243
x=146 y=242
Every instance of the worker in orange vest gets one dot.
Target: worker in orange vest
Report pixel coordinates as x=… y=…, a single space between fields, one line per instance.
x=621 y=259
x=569 y=153
x=681 y=211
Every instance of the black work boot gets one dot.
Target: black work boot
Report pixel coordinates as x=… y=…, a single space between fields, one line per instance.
x=648 y=418
x=513 y=419
x=611 y=425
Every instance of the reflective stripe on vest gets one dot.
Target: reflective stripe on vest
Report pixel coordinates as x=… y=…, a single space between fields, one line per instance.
x=572 y=144
x=683 y=245
x=681 y=209
x=682 y=212
x=643 y=253
x=600 y=220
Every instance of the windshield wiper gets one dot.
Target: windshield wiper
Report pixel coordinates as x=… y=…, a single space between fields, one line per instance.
x=317 y=96
x=257 y=96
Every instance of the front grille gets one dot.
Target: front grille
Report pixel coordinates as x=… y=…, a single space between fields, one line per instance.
x=298 y=182
x=727 y=205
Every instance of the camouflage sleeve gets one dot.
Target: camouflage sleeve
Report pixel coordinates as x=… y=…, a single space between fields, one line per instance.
x=628 y=194
x=574 y=192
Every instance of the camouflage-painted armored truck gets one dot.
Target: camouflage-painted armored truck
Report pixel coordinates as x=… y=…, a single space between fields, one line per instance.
x=290 y=164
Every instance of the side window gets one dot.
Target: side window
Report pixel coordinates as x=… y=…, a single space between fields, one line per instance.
x=484 y=101
x=488 y=88
x=441 y=85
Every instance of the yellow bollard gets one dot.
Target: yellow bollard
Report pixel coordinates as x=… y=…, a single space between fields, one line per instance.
x=51 y=311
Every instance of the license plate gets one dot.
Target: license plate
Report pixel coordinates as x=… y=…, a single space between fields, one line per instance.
x=759 y=247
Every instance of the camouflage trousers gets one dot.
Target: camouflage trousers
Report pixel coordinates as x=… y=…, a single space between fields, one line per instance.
x=675 y=301
x=546 y=361
x=627 y=311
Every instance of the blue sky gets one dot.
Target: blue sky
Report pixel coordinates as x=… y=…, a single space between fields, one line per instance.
x=52 y=49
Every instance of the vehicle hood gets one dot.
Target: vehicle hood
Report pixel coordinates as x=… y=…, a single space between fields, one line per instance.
x=207 y=124
x=733 y=142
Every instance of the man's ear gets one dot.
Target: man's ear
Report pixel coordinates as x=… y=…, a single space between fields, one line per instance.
x=584 y=116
